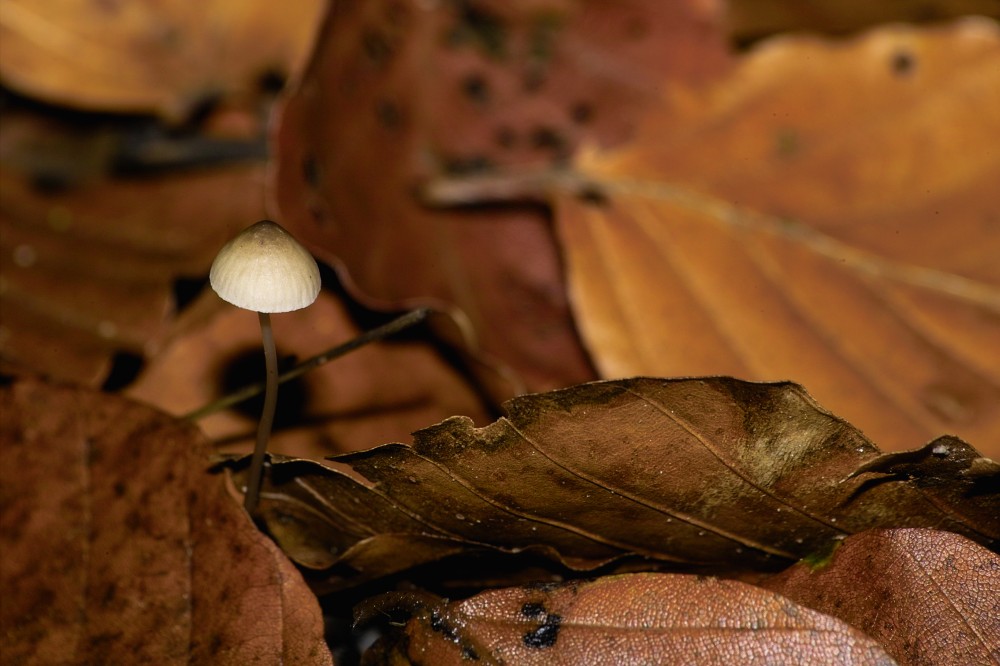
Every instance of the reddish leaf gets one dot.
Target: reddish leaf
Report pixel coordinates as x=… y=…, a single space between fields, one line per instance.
x=629 y=619
x=711 y=472
x=119 y=547
x=928 y=597
x=399 y=91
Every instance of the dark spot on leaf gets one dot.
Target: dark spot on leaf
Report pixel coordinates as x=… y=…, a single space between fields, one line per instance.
x=310 y=170
x=506 y=137
x=581 y=113
x=533 y=609
x=544 y=636
x=548 y=138
x=903 y=63
x=593 y=195
x=458 y=166
x=271 y=80
x=475 y=87
x=388 y=114
x=376 y=47
x=480 y=29
x=119 y=489
x=439 y=624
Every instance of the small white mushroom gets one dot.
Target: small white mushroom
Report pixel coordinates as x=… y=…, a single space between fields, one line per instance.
x=265 y=270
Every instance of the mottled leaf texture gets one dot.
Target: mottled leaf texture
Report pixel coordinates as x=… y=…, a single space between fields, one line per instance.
x=928 y=597
x=628 y=619
x=119 y=547
x=400 y=90
x=166 y=56
x=827 y=213
x=715 y=472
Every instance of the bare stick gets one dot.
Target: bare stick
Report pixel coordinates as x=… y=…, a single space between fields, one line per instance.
x=395 y=326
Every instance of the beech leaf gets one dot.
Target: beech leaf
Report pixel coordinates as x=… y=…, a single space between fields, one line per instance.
x=928 y=597
x=712 y=472
x=396 y=93
x=120 y=547
x=826 y=213
x=628 y=619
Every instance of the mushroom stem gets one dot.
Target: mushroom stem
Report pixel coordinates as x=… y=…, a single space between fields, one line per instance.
x=267 y=415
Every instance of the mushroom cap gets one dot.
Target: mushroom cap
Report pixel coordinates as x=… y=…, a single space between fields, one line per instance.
x=266 y=270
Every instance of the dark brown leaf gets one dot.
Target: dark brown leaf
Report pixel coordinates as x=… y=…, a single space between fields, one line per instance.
x=400 y=91
x=629 y=619
x=119 y=547
x=713 y=472
x=928 y=597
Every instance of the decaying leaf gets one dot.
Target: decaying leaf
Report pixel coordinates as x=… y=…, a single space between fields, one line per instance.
x=165 y=57
x=92 y=258
x=119 y=546
x=627 y=619
x=399 y=91
x=710 y=472
x=827 y=212
x=928 y=597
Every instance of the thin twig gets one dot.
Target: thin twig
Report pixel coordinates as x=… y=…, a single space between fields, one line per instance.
x=395 y=326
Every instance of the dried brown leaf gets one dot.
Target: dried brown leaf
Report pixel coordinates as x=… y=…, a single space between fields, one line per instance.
x=630 y=619
x=399 y=91
x=166 y=57
x=928 y=597
x=827 y=213
x=94 y=257
x=119 y=546
x=706 y=472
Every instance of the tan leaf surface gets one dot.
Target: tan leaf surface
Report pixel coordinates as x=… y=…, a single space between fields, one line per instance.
x=928 y=597
x=828 y=213
x=119 y=546
x=162 y=56
x=710 y=472
x=631 y=619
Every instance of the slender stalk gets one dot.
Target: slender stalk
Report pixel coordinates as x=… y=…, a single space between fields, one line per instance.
x=395 y=326
x=267 y=415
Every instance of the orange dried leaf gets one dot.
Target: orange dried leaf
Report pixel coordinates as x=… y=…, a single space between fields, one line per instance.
x=164 y=57
x=631 y=619
x=827 y=213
